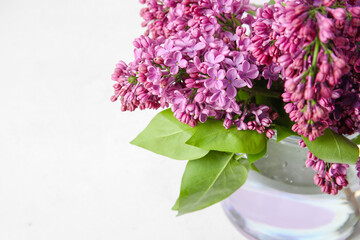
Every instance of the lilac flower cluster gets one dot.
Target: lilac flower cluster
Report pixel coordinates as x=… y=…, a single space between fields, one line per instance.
x=316 y=45
x=209 y=59
x=196 y=62
x=298 y=36
x=331 y=177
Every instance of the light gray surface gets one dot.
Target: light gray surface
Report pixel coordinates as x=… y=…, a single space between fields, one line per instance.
x=67 y=170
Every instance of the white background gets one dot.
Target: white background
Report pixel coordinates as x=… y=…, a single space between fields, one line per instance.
x=67 y=170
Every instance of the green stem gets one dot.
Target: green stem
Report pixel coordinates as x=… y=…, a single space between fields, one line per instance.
x=314 y=61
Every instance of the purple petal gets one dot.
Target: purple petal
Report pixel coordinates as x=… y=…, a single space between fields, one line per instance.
x=177 y=56
x=174 y=69
x=177 y=100
x=222 y=100
x=168 y=45
x=191 y=42
x=209 y=83
x=231 y=91
x=197 y=61
x=253 y=73
x=214 y=97
x=239 y=59
x=248 y=82
x=219 y=84
x=179 y=43
x=182 y=106
x=245 y=66
x=238 y=83
x=209 y=57
x=228 y=61
x=219 y=58
x=221 y=74
x=153 y=74
x=212 y=72
x=161 y=52
x=208 y=27
x=203 y=115
x=276 y=69
x=199 y=46
x=169 y=62
x=235 y=106
x=183 y=63
x=229 y=34
x=231 y=74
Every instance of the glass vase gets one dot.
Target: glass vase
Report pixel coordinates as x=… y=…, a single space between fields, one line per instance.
x=283 y=203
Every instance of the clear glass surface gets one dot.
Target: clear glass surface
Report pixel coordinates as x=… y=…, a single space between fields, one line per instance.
x=282 y=203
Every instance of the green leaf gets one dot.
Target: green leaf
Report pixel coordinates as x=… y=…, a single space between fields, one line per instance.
x=242 y=95
x=261 y=99
x=244 y=161
x=254 y=157
x=356 y=140
x=165 y=135
x=283 y=132
x=209 y=180
x=334 y=148
x=252 y=166
x=271 y=2
x=176 y=205
x=212 y=135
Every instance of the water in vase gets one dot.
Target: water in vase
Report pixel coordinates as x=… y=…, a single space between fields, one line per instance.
x=282 y=203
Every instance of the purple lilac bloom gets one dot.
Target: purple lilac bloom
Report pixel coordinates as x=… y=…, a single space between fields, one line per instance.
x=196 y=55
x=175 y=61
x=215 y=79
x=247 y=72
x=232 y=82
x=213 y=61
x=271 y=73
x=331 y=177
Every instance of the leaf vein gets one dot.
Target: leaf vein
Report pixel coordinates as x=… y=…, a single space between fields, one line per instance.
x=337 y=145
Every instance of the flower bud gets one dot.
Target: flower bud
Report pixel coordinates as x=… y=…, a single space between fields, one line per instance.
x=192 y=123
x=352 y=31
x=308 y=114
x=251 y=125
x=325 y=91
x=200 y=97
x=266 y=122
x=143 y=68
x=355 y=11
x=302 y=143
x=309 y=93
x=318 y=180
x=270 y=133
x=338 y=13
x=334 y=191
x=227 y=123
x=319 y=166
x=309 y=163
x=326 y=189
x=284 y=60
x=341 y=181
x=328 y=3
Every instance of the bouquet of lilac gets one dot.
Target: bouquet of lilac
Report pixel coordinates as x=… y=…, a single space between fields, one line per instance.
x=231 y=75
